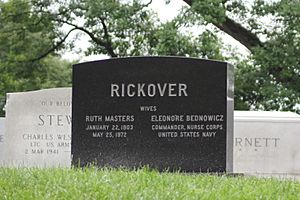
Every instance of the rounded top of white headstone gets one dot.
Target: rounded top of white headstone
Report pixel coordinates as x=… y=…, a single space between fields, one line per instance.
x=266 y=116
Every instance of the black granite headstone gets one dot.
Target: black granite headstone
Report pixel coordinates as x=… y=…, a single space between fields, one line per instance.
x=163 y=112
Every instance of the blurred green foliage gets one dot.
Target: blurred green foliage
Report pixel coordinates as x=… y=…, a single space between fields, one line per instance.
x=33 y=36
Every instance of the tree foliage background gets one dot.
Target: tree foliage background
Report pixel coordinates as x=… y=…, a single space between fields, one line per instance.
x=34 y=33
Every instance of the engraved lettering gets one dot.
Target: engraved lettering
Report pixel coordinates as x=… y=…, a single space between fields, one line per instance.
x=114 y=90
x=149 y=90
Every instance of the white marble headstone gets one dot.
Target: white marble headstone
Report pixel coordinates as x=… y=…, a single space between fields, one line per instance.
x=2 y=120
x=266 y=143
x=38 y=128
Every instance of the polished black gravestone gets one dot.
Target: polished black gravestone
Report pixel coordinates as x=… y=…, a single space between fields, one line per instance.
x=167 y=113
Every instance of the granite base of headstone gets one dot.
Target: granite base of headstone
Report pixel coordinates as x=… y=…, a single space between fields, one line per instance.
x=168 y=113
x=38 y=128
x=267 y=143
x=2 y=131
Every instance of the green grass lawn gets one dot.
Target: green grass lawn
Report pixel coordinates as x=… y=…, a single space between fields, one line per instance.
x=92 y=183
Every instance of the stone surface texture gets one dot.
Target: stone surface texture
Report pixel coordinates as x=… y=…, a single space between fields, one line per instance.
x=121 y=109
x=266 y=143
x=38 y=128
